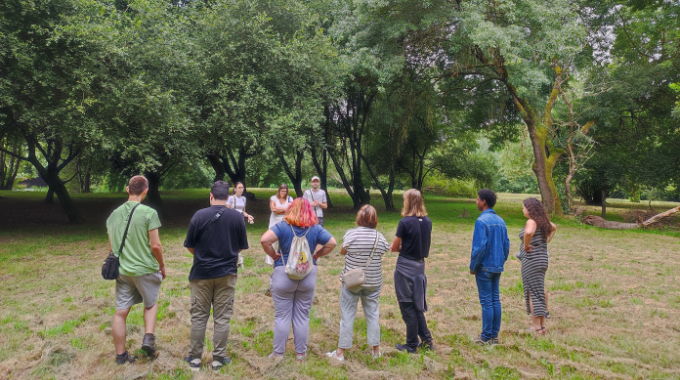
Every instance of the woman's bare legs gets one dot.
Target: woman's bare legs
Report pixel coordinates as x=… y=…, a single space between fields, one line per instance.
x=537 y=323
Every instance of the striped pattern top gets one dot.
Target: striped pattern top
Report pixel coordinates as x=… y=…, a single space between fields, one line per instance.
x=359 y=242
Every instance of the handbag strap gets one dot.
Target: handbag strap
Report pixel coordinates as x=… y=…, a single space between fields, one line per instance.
x=213 y=220
x=375 y=245
x=122 y=243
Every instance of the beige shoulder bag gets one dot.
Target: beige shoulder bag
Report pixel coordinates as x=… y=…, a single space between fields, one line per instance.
x=355 y=278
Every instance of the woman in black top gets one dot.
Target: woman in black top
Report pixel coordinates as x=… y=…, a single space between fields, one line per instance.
x=413 y=244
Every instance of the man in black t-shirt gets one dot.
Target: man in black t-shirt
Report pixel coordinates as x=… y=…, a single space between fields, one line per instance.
x=215 y=237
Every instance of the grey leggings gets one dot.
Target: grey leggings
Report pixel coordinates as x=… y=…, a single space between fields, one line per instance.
x=292 y=302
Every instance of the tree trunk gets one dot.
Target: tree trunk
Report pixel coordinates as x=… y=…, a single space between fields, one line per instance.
x=295 y=178
x=9 y=171
x=154 y=194
x=567 y=188
x=235 y=168
x=49 y=198
x=345 y=183
x=217 y=166
x=56 y=186
x=543 y=169
x=596 y=221
x=600 y=222
x=87 y=188
x=604 y=203
x=662 y=215
x=387 y=195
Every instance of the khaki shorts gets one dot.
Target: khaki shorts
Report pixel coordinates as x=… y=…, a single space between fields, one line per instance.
x=133 y=290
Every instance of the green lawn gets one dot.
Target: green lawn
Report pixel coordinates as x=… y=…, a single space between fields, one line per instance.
x=614 y=296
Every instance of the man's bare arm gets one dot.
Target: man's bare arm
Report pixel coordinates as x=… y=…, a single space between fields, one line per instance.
x=157 y=249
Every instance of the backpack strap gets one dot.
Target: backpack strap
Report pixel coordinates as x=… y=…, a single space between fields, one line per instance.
x=122 y=243
x=213 y=220
x=294 y=236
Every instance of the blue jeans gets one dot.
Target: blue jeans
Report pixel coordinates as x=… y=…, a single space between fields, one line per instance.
x=487 y=285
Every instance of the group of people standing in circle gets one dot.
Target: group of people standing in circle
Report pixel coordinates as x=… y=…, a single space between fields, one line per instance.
x=216 y=236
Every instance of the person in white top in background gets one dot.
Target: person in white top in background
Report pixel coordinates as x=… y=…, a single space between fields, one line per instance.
x=278 y=204
x=238 y=202
x=317 y=198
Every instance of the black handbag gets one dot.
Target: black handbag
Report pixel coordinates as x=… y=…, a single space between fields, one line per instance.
x=110 y=267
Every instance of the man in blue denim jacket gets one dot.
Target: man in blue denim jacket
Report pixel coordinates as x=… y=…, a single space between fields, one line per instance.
x=490 y=249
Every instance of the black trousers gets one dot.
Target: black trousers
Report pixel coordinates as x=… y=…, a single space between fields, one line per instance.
x=416 y=325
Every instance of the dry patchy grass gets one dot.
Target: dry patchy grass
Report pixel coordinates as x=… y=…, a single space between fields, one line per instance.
x=613 y=294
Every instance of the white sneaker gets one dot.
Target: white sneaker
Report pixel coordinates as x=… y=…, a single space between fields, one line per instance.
x=195 y=364
x=334 y=355
x=374 y=356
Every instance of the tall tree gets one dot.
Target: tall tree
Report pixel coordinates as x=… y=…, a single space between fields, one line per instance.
x=48 y=76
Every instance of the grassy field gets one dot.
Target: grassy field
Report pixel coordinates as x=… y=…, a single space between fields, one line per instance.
x=614 y=298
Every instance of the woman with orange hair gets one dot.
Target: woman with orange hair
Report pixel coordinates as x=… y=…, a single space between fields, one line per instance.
x=293 y=298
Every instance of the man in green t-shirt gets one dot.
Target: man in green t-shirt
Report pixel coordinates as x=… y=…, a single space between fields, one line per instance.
x=141 y=266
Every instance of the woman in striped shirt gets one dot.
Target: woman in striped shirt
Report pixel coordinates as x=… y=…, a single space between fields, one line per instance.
x=363 y=247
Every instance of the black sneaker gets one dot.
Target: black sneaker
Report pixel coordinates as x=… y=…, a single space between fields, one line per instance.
x=149 y=345
x=480 y=341
x=494 y=341
x=194 y=363
x=429 y=345
x=218 y=364
x=402 y=347
x=125 y=358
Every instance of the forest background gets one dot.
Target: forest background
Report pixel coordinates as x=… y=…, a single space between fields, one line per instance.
x=445 y=96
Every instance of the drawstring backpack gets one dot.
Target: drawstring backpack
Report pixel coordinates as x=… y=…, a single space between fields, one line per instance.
x=299 y=262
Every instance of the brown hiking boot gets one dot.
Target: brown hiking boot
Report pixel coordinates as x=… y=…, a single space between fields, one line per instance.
x=125 y=358
x=149 y=345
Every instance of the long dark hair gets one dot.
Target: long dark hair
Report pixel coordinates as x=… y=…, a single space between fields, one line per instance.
x=538 y=214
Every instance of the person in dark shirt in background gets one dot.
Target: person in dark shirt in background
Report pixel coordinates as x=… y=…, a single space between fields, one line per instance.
x=215 y=237
x=413 y=244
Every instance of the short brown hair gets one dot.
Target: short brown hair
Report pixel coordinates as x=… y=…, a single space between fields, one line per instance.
x=137 y=185
x=413 y=204
x=367 y=217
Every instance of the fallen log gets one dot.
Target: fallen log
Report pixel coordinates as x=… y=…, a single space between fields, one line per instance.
x=660 y=216
x=596 y=221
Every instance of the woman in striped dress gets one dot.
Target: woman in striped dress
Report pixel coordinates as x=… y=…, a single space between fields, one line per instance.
x=533 y=253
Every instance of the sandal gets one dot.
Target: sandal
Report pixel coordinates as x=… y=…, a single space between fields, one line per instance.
x=531 y=330
x=300 y=357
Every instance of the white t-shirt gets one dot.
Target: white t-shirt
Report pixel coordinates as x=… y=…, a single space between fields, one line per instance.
x=237 y=203
x=318 y=195
x=275 y=218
